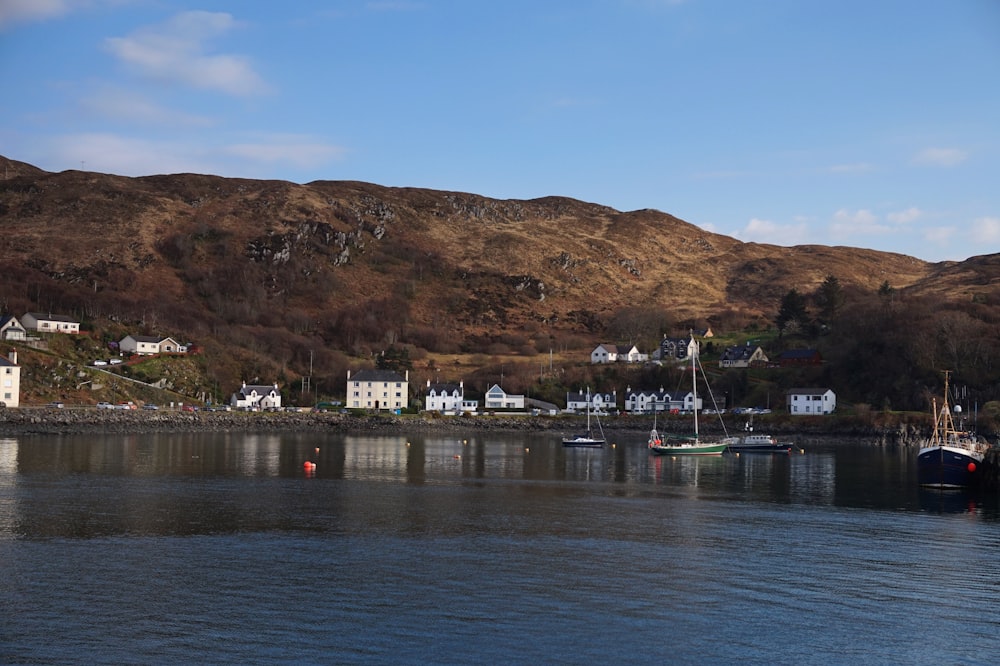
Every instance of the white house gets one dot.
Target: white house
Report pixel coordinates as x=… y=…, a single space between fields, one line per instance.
x=649 y=401
x=600 y=403
x=605 y=353
x=377 y=389
x=49 y=323
x=442 y=397
x=256 y=397
x=11 y=328
x=811 y=401
x=150 y=344
x=497 y=398
x=10 y=381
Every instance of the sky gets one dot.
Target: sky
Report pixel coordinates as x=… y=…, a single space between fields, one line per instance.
x=865 y=123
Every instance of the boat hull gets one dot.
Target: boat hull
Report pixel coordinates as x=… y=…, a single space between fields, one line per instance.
x=760 y=448
x=583 y=443
x=690 y=450
x=948 y=467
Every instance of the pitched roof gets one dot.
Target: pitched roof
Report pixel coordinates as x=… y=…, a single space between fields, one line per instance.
x=376 y=376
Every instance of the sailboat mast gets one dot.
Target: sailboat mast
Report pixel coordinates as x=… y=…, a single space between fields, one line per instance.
x=693 y=353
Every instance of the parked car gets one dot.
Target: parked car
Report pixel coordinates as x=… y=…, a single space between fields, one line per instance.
x=56 y=405
x=100 y=362
x=150 y=406
x=105 y=405
x=114 y=361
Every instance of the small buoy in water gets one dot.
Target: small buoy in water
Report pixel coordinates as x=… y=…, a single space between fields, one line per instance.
x=972 y=467
x=309 y=466
x=316 y=449
x=527 y=450
x=407 y=443
x=465 y=442
x=458 y=457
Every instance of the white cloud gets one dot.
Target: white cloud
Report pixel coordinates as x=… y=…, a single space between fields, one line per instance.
x=23 y=11
x=939 y=235
x=126 y=106
x=942 y=157
x=127 y=156
x=986 y=230
x=175 y=51
x=905 y=216
x=863 y=222
x=298 y=151
x=766 y=231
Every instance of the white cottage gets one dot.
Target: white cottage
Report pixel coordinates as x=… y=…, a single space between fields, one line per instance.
x=444 y=397
x=255 y=398
x=811 y=401
x=49 y=323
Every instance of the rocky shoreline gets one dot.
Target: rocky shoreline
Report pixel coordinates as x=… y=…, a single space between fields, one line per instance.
x=49 y=421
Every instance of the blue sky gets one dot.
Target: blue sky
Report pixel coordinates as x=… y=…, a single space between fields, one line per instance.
x=868 y=123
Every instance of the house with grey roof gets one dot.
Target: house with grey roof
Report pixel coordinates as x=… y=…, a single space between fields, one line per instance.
x=378 y=390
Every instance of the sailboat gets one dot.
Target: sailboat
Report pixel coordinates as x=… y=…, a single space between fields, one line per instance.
x=694 y=446
x=588 y=439
x=950 y=458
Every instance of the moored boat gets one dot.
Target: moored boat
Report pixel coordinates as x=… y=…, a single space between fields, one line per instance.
x=588 y=439
x=757 y=443
x=950 y=458
x=689 y=446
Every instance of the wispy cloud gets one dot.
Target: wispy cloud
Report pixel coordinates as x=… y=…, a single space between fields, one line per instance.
x=766 y=231
x=941 y=157
x=986 y=230
x=911 y=214
x=862 y=222
x=131 y=156
x=26 y=11
x=175 y=51
x=295 y=150
x=126 y=106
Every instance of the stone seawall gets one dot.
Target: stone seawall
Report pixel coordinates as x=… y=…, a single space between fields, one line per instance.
x=85 y=420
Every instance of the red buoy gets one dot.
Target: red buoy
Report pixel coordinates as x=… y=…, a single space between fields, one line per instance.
x=972 y=467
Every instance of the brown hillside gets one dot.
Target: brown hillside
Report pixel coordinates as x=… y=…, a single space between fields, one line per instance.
x=360 y=266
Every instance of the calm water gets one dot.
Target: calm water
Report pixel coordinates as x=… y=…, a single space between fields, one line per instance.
x=220 y=549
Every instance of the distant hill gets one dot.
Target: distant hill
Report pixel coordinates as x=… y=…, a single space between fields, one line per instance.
x=279 y=270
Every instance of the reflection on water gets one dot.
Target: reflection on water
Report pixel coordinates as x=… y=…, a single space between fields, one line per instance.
x=832 y=473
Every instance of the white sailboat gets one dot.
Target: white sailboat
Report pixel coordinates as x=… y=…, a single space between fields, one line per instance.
x=588 y=439
x=695 y=446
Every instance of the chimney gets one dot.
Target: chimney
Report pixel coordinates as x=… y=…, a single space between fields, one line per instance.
x=13 y=356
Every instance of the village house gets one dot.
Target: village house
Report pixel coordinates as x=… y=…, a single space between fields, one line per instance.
x=11 y=328
x=497 y=398
x=49 y=323
x=673 y=348
x=256 y=398
x=650 y=401
x=600 y=403
x=605 y=353
x=144 y=345
x=378 y=389
x=743 y=356
x=10 y=381
x=444 y=397
x=811 y=401
x=796 y=357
